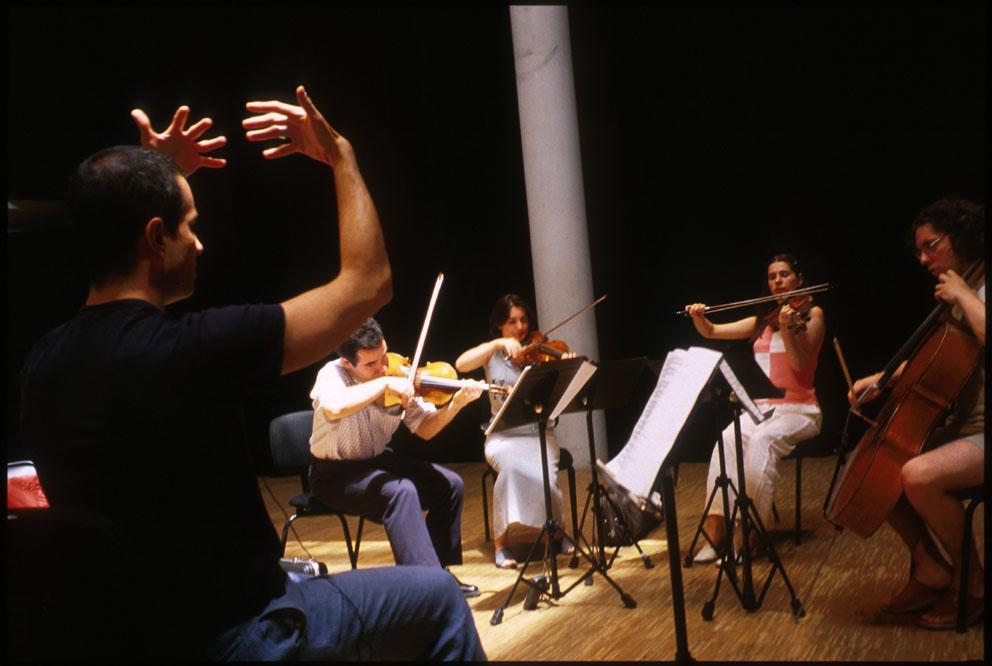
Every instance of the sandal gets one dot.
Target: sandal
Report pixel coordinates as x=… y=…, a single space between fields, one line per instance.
x=914 y=597
x=944 y=613
x=504 y=559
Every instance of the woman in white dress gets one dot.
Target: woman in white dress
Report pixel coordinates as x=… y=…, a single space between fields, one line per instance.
x=518 y=494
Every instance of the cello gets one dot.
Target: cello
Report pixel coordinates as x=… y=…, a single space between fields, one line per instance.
x=940 y=356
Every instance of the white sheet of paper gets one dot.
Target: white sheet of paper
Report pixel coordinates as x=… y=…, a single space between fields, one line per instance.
x=502 y=408
x=742 y=395
x=682 y=378
x=582 y=375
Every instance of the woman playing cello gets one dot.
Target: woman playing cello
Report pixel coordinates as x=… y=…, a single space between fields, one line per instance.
x=786 y=338
x=947 y=236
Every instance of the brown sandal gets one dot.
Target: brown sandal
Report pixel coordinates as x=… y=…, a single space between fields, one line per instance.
x=914 y=597
x=944 y=613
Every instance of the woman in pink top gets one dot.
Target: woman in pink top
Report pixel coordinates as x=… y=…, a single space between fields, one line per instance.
x=787 y=352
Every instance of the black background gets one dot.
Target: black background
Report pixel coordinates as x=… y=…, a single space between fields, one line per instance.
x=711 y=138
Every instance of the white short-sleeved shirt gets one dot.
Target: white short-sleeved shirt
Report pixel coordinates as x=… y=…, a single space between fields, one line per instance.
x=365 y=433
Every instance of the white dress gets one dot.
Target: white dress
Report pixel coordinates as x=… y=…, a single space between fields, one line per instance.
x=515 y=454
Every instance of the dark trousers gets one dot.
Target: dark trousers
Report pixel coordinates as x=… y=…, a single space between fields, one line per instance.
x=394 y=490
x=392 y=613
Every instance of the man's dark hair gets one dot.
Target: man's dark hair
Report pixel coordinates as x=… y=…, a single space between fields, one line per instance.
x=963 y=221
x=368 y=336
x=501 y=312
x=111 y=197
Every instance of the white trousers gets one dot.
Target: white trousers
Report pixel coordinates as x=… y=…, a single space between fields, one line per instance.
x=763 y=445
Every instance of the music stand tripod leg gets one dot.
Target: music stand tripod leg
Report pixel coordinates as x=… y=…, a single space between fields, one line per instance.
x=748 y=514
x=550 y=529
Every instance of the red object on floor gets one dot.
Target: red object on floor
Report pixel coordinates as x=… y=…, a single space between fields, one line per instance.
x=23 y=488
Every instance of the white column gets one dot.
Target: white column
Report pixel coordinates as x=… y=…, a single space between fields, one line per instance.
x=559 y=242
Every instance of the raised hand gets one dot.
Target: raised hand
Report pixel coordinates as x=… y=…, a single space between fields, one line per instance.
x=181 y=144
x=950 y=287
x=303 y=127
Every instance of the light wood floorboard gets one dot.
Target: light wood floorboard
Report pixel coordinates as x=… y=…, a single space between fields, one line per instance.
x=840 y=579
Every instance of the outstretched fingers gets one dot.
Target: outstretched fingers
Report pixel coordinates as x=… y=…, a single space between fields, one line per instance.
x=144 y=124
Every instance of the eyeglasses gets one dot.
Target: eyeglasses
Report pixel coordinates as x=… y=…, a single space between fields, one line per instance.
x=929 y=246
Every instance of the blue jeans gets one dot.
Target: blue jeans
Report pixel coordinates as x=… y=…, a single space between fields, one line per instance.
x=407 y=612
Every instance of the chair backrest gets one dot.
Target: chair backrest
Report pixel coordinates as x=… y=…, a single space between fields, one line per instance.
x=72 y=587
x=289 y=442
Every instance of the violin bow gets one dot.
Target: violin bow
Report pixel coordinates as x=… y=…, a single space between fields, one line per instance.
x=423 y=331
x=815 y=289
x=571 y=317
x=850 y=384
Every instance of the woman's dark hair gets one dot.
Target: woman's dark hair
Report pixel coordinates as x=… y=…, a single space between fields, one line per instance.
x=764 y=309
x=501 y=312
x=963 y=221
x=368 y=336
x=111 y=197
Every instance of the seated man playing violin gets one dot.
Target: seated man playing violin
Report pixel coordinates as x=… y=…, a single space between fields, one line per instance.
x=356 y=471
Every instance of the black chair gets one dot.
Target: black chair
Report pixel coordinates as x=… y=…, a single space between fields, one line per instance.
x=565 y=463
x=815 y=447
x=289 y=441
x=973 y=496
x=73 y=587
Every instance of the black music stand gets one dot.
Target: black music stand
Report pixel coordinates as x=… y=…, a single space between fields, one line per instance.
x=754 y=383
x=534 y=396
x=611 y=387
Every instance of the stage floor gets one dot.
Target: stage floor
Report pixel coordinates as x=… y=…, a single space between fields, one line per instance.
x=840 y=579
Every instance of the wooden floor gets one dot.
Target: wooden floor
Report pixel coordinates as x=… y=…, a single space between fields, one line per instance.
x=839 y=578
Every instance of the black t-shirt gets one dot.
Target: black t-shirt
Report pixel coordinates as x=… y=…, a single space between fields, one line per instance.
x=138 y=415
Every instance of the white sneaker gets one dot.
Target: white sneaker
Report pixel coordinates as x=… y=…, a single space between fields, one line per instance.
x=705 y=554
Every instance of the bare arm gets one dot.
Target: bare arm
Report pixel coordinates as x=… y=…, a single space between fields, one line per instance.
x=868 y=384
x=317 y=321
x=435 y=422
x=345 y=401
x=801 y=347
x=736 y=330
x=478 y=356
x=954 y=290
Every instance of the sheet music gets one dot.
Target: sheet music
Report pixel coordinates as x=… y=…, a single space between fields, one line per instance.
x=582 y=375
x=502 y=408
x=683 y=376
x=742 y=395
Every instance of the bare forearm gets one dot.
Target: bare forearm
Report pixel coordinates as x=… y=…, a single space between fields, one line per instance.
x=974 y=314
x=351 y=399
x=802 y=346
x=320 y=319
x=736 y=330
x=436 y=422
x=475 y=357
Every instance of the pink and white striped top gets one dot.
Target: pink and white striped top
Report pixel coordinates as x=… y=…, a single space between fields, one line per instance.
x=769 y=352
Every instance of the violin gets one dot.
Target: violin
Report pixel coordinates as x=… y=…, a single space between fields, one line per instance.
x=801 y=306
x=436 y=382
x=538 y=349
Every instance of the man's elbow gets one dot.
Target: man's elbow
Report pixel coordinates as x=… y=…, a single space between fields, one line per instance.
x=333 y=412
x=384 y=287
x=425 y=434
